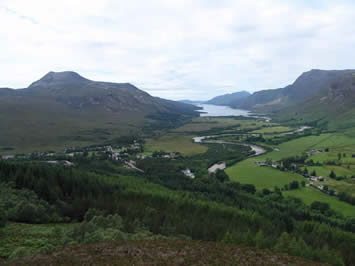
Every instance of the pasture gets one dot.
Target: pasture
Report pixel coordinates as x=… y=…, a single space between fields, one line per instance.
x=201 y=124
x=309 y=195
x=272 y=130
x=174 y=143
x=248 y=172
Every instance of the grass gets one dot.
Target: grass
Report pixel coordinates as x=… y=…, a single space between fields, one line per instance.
x=326 y=169
x=162 y=252
x=32 y=237
x=174 y=143
x=347 y=185
x=264 y=177
x=309 y=195
x=270 y=130
x=208 y=123
x=332 y=155
x=304 y=144
x=247 y=172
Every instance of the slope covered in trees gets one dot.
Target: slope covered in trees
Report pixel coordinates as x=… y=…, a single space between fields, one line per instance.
x=201 y=209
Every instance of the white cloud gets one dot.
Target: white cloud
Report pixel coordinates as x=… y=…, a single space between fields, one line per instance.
x=175 y=49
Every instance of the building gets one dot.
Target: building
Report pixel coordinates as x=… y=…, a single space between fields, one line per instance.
x=7 y=157
x=187 y=172
x=261 y=163
x=218 y=166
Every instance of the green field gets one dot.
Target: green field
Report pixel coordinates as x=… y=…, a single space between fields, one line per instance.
x=326 y=169
x=309 y=195
x=270 y=130
x=174 y=143
x=265 y=177
x=208 y=123
x=248 y=172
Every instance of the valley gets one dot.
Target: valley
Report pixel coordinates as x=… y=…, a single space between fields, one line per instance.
x=257 y=182
x=249 y=171
x=177 y=133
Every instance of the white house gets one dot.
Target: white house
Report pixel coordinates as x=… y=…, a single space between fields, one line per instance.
x=187 y=172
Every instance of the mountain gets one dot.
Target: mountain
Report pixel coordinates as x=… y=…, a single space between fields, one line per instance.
x=64 y=108
x=332 y=106
x=304 y=87
x=191 y=102
x=228 y=99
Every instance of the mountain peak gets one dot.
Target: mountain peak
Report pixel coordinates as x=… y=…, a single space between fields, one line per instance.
x=63 y=75
x=59 y=78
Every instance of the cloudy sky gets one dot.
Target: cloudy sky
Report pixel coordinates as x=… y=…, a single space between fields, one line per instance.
x=176 y=49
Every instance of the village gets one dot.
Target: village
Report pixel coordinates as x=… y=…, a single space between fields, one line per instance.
x=295 y=165
x=127 y=154
x=65 y=157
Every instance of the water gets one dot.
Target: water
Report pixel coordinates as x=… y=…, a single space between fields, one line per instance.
x=217 y=110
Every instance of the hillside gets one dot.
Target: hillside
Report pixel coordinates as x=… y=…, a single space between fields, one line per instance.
x=228 y=99
x=64 y=108
x=305 y=86
x=161 y=252
x=332 y=106
x=191 y=102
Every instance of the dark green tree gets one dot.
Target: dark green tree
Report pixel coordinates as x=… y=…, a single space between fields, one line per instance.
x=283 y=243
x=221 y=176
x=332 y=174
x=294 y=185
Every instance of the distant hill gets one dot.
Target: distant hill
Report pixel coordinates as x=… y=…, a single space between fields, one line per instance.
x=64 y=108
x=305 y=86
x=229 y=99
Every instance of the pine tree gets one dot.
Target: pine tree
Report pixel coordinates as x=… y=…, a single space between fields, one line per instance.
x=332 y=174
x=283 y=243
x=303 y=249
x=228 y=238
x=259 y=239
x=293 y=247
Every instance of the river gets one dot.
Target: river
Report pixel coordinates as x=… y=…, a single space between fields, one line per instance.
x=219 y=110
x=257 y=149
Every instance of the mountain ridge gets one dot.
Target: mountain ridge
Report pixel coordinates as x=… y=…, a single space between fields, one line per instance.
x=228 y=98
x=67 y=109
x=306 y=85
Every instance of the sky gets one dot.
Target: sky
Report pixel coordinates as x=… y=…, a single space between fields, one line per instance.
x=176 y=49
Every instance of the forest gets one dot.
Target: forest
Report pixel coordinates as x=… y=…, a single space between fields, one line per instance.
x=110 y=205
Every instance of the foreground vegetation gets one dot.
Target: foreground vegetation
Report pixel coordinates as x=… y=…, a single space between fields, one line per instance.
x=48 y=207
x=161 y=252
x=133 y=208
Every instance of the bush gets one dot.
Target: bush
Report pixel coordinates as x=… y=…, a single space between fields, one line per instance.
x=20 y=252
x=3 y=217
